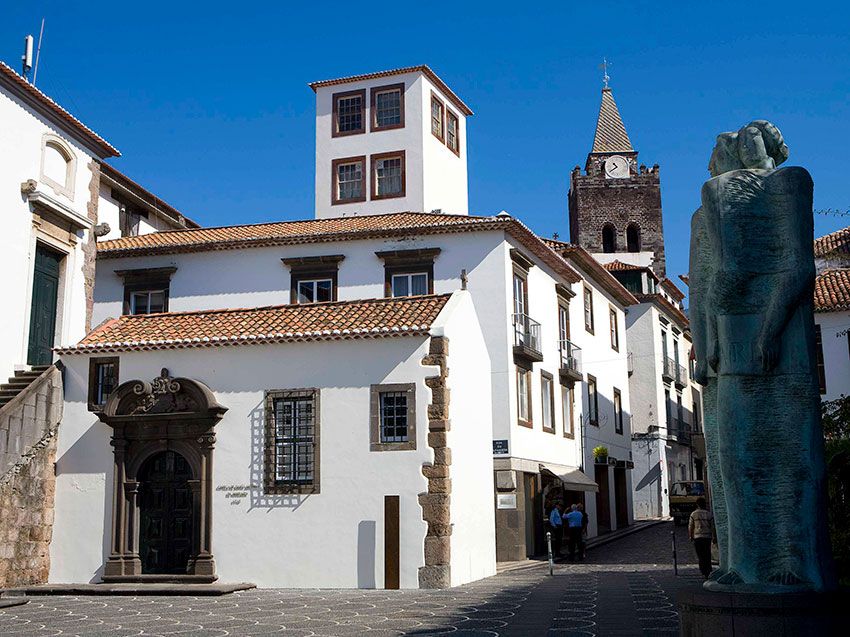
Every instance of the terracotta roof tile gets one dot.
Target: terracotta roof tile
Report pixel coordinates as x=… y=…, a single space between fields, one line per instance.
x=837 y=242
x=422 y=68
x=832 y=291
x=146 y=195
x=584 y=259
x=619 y=266
x=611 y=136
x=340 y=320
x=31 y=94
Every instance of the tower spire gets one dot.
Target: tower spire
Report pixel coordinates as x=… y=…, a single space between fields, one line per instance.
x=611 y=136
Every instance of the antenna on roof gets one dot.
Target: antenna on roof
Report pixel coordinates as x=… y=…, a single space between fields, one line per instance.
x=26 y=58
x=38 y=52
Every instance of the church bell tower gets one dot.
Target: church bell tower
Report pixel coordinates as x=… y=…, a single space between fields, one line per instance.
x=615 y=204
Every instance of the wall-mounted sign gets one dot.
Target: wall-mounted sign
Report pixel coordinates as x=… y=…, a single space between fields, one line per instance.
x=500 y=448
x=506 y=500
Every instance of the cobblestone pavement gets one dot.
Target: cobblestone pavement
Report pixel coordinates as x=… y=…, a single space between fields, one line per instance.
x=626 y=587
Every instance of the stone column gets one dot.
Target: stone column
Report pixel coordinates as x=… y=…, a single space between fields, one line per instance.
x=115 y=563
x=204 y=563
x=132 y=561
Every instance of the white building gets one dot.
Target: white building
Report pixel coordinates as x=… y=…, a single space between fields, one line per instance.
x=832 y=313
x=500 y=338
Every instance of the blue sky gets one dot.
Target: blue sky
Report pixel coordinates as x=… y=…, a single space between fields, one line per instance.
x=212 y=112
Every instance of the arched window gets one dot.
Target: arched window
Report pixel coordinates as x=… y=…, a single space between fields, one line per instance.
x=609 y=238
x=633 y=237
x=58 y=165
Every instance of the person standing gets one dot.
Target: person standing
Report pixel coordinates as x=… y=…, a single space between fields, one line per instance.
x=583 y=539
x=574 y=521
x=556 y=527
x=701 y=531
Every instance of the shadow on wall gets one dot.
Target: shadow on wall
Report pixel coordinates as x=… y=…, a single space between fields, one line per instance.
x=366 y=539
x=259 y=498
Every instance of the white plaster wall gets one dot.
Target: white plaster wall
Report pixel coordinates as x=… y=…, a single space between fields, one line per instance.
x=645 y=383
x=635 y=258
x=835 y=336
x=107 y=211
x=473 y=540
x=21 y=138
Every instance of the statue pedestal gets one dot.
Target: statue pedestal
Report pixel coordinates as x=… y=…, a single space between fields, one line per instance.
x=703 y=613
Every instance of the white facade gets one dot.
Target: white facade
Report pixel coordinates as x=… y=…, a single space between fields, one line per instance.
x=435 y=177
x=330 y=539
x=46 y=177
x=835 y=341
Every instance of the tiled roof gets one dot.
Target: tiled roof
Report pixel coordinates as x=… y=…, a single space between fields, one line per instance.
x=619 y=266
x=672 y=289
x=594 y=269
x=146 y=195
x=402 y=71
x=611 y=136
x=832 y=291
x=340 y=320
x=674 y=312
x=325 y=230
x=837 y=242
x=29 y=93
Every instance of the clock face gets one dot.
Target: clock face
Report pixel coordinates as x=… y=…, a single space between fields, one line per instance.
x=617 y=167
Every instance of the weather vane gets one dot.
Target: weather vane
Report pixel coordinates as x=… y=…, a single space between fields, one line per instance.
x=604 y=66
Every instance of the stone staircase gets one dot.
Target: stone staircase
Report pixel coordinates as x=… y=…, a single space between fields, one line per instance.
x=19 y=382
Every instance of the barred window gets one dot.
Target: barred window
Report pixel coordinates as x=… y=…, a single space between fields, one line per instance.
x=292 y=441
x=393 y=415
x=349 y=112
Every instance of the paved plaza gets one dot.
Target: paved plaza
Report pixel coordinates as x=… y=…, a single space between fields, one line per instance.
x=626 y=587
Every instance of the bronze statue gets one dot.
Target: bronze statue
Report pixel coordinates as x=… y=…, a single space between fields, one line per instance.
x=752 y=277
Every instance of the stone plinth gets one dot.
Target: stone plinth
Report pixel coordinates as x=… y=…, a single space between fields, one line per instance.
x=743 y=614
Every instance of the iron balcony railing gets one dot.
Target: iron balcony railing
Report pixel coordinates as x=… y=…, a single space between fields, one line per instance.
x=570 y=356
x=669 y=370
x=679 y=430
x=526 y=333
x=681 y=376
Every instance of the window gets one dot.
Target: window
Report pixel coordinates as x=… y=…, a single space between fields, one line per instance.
x=128 y=221
x=315 y=291
x=592 y=401
x=547 y=401
x=664 y=346
x=292 y=435
x=387 y=107
x=146 y=290
x=388 y=175
x=393 y=417
x=437 y=115
x=615 y=332
x=668 y=411
x=349 y=180
x=58 y=165
x=148 y=302
x=618 y=411
x=523 y=393
x=633 y=238
x=819 y=353
x=588 y=309
x=568 y=408
x=609 y=238
x=313 y=279
x=408 y=272
x=103 y=379
x=563 y=322
x=348 y=113
x=520 y=294
x=680 y=412
x=453 y=132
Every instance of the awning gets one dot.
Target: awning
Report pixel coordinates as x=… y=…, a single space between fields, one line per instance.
x=574 y=479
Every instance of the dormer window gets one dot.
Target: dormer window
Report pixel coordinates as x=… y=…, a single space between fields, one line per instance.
x=58 y=166
x=437 y=117
x=387 y=107
x=349 y=113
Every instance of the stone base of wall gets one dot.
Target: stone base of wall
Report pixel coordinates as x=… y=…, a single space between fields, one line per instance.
x=26 y=519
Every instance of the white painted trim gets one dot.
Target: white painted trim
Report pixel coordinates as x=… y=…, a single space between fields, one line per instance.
x=56 y=206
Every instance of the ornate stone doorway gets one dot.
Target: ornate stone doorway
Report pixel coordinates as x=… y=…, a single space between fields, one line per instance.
x=165 y=513
x=163 y=437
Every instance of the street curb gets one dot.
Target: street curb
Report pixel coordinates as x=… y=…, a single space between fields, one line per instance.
x=8 y=602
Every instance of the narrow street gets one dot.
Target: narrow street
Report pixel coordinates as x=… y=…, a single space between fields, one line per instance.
x=626 y=587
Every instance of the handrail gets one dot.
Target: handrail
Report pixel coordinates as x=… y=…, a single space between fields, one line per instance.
x=570 y=355
x=526 y=332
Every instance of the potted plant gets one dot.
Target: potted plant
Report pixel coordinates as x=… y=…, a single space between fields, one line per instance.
x=600 y=454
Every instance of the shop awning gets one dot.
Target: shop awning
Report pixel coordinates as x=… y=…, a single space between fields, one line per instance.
x=574 y=479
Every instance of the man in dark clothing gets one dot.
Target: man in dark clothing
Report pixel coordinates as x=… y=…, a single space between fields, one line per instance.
x=556 y=527
x=583 y=540
x=701 y=531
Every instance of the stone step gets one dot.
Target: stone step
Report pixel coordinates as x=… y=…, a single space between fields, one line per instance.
x=16 y=383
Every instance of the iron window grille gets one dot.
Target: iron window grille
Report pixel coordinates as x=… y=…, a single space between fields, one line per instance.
x=393 y=417
x=292 y=441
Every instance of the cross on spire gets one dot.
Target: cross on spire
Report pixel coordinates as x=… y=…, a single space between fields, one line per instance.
x=605 y=77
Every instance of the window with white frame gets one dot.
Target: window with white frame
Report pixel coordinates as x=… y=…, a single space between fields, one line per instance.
x=315 y=291
x=388 y=173
x=412 y=284
x=618 y=411
x=592 y=401
x=567 y=409
x=148 y=301
x=547 y=400
x=523 y=378
x=615 y=332
x=588 y=309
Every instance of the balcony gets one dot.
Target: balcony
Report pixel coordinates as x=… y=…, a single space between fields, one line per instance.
x=668 y=372
x=570 y=362
x=679 y=430
x=681 y=376
x=527 y=338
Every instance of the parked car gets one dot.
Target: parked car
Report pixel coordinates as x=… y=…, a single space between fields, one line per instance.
x=683 y=499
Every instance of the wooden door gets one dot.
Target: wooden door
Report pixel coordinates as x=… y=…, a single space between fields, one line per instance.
x=603 y=500
x=45 y=291
x=165 y=536
x=621 y=498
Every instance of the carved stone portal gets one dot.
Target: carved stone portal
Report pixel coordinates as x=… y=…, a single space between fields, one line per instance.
x=148 y=418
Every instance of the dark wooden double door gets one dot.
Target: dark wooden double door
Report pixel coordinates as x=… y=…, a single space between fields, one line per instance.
x=45 y=297
x=166 y=514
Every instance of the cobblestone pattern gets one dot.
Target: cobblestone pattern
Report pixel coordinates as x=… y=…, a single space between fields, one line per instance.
x=508 y=604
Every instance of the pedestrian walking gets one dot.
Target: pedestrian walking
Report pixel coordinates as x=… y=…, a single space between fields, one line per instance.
x=701 y=532
x=573 y=521
x=556 y=527
x=584 y=521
